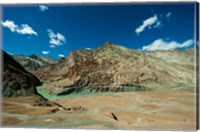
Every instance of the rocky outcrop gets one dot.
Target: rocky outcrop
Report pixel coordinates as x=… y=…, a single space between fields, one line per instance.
x=115 y=68
x=16 y=80
x=33 y=62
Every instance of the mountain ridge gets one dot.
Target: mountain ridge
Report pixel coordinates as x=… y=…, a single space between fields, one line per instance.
x=16 y=80
x=116 y=66
x=33 y=62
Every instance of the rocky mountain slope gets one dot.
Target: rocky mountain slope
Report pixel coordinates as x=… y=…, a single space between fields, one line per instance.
x=115 y=68
x=33 y=62
x=16 y=80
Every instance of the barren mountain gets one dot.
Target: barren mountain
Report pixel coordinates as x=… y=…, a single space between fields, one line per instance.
x=115 y=68
x=33 y=62
x=16 y=80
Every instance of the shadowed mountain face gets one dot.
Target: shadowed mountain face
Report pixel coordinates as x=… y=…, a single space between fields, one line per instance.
x=33 y=62
x=116 y=68
x=16 y=80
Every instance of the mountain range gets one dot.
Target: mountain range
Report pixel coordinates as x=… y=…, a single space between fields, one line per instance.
x=33 y=62
x=116 y=68
x=110 y=67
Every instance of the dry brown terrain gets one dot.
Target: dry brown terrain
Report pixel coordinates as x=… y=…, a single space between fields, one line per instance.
x=113 y=67
x=124 y=110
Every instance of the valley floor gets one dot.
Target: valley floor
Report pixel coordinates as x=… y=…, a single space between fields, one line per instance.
x=129 y=110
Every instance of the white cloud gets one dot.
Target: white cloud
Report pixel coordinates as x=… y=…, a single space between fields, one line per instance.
x=10 y=24
x=56 y=42
x=43 y=8
x=23 y=29
x=160 y=44
x=56 y=38
x=45 y=52
x=60 y=36
x=61 y=55
x=148 y=23
x=88 y=48
x=52 y=46
x=26 y=29
x=168 y=14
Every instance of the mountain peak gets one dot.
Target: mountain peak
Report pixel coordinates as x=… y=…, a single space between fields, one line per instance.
x=34 y=56
x=33 y=62
x=107 y=44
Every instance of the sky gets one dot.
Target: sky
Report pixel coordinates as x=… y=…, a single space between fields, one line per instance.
x=56 y=30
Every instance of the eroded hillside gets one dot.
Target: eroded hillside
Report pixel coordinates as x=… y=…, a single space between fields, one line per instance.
x=115 y=68
x=16 y=80
x=33 y=62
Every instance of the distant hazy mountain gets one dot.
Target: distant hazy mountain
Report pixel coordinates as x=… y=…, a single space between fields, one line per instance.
x=33 y=62
x=16 y=80
x=115 y=68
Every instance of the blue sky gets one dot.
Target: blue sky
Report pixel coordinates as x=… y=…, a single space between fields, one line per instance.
x=56 y=30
